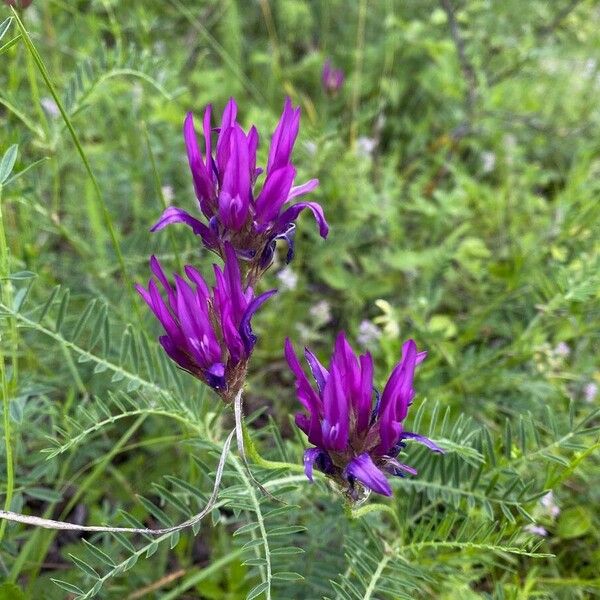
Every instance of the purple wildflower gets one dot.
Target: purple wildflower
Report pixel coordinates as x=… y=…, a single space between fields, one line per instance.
x=332 y=79
x=208 y=333
x=353 y=440
x=224 y=181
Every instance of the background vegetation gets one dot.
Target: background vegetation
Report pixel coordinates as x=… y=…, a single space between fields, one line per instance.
x=459 y=170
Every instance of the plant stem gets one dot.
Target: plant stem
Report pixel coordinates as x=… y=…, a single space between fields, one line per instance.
x=6 y=293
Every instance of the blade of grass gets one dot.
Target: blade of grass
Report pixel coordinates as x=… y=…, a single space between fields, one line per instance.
x=163 y=200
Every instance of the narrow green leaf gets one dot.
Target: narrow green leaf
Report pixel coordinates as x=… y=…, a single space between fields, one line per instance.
x=69 y=587
x=5 y=26
x=8 y=162
x=256 y=591
x=87 y=569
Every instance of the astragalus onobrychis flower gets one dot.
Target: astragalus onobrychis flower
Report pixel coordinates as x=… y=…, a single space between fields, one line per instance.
x=225 y=179
x=207 y=332
x=356 y=433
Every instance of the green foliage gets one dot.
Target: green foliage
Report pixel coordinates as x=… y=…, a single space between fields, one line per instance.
x=458 y=170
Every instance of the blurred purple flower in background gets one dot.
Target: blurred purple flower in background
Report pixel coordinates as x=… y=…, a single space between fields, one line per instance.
x=332 y=79
x=536 y=529
x=224 y=180
x=208 y=333
x=355 y=439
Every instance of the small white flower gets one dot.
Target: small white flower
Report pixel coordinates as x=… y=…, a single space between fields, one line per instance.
x=288 y=278
x=168 y=193
x=562 y=349
x=50 y=107
x=535 y=529
x=590 y=391
x=368 y=334
x=311 y=148
x=321 y=312
x=488 y=160
x=550 y=505
x=365 y=147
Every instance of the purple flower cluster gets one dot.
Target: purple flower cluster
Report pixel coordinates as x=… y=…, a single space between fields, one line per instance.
x=225 y=179
x=207 y=333
x=357 y=434
x=332 y=79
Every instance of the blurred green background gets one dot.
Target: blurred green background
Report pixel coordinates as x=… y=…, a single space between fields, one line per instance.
x=460 y=173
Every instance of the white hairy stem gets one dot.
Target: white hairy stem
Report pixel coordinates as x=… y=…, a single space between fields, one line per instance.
x=239 y=434
x=63 y=525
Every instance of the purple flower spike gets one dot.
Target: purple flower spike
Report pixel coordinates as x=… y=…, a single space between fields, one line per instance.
x=356 y=435
x=225 y=177
x=332 y=79
x=207 y=333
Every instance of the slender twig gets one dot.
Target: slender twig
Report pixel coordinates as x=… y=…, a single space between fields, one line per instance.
x=156 y=585
x=63 y=525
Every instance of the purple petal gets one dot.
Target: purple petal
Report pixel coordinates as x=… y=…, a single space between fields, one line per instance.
x=233 y=280
x=215 y=376
x=364 y=400
x=306 y=394
x=407 y=435
x=319 y=372
x=210 y=167
x=311 y=426
x=248 y=337
x=301 y=190
x=177 y=215
x=364 y=469
x=336 y=411
x=284 y=137
x=227 y=121
x=397 y=396
x=252 y=147
x=177 y=355
x=393 y=466
x=274 y=194
x=310 y=456
x=202 y=182
x=291 y=214
x=195 y=277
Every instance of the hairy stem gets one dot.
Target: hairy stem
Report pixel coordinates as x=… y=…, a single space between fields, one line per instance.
x=63 y=525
